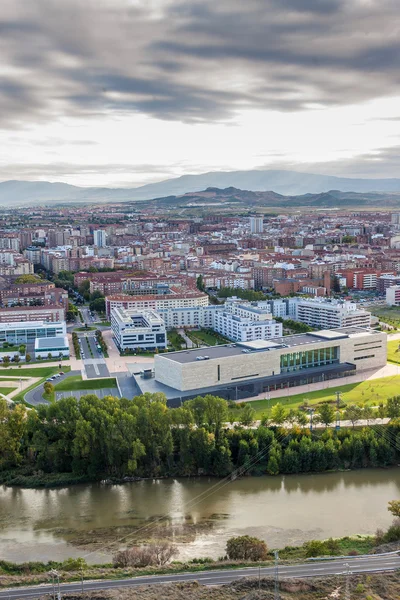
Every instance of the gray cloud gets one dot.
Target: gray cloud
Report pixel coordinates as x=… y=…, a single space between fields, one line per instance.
x=196 y=61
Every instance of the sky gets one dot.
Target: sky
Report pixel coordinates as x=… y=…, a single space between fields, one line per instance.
x=128 y=92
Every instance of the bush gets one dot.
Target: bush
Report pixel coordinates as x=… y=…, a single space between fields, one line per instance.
x=353 y=553
x=393 y=533
x=246 y=547
x=317 y=548
x=144 y=556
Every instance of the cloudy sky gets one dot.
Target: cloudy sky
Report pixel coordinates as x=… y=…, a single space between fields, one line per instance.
x=126 y=92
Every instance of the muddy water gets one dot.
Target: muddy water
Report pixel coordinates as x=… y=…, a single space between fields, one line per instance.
x=200 y=515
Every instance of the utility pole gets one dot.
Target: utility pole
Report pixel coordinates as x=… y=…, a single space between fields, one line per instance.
x=276 y=594
x=338 y=398
x=347 y=581
x=82 y=579
x=259 y=577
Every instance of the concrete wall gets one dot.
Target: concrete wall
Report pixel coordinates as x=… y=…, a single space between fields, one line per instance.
x=366 y=351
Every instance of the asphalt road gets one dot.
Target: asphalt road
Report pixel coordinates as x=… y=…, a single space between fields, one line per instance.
x=368 y=564
x=34 y=396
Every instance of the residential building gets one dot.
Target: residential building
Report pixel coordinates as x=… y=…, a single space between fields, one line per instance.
x=393 y=295
x=327 y=314
x=177 y=298
x=100 y=238
x=256 y=225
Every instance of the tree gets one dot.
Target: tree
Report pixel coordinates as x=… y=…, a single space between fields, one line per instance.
x=394 y=507
x=48 y=388
x=278 y=414
x=17 y=358
x=49 y=355
x=336 y=285
x=353 y=413
x=301 y=418
x=245 y=547
x=247 y=415
x=200 y=283
x=326 y=414
x=6 y=361
x=393 y=407
x=98 y=305
x=28 y=358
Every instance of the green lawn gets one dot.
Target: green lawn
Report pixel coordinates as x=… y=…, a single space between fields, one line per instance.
x=206 y=337
x=75 y=382
x=10 y=348
x=387 y=314
x=7 y=390
x=394 y=352
x=373 y=391
x=42 y=372
x=85 y=328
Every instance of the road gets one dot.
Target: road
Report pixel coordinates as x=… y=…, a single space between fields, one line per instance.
x=35 y=396
x=369 y=564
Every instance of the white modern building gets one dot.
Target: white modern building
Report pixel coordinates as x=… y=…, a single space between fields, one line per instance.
x=244 y=329
x=99 y=238
x=393 y=295
x=247 y=369
x=158 y=303
x=327 y=314
x=23 y=333
x=57 y=347
x=138 y=329
x=256 y=225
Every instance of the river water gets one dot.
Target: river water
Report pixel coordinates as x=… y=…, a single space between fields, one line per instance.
x=54 y=524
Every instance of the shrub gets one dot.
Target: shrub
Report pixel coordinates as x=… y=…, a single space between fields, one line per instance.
x=246 y=547
x=393 y=533
x=144 y=556
x=353 y=553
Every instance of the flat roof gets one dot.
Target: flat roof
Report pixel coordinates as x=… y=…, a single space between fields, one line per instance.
x=289 y=341
x=43 y=343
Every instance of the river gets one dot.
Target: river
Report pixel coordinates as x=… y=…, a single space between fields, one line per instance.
x=200 y=514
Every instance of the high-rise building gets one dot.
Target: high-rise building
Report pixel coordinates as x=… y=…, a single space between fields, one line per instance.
x=99 y=237
x=256 y=225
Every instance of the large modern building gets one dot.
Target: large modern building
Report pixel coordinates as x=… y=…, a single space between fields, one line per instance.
x=325 y=314
x=236 y=371
x=24 y=333
x=245 y=323
x=133 y=330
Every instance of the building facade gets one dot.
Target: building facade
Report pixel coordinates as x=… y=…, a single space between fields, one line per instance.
x=134 y=330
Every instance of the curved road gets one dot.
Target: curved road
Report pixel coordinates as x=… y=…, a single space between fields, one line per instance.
x=35 y=396
x=365 y=564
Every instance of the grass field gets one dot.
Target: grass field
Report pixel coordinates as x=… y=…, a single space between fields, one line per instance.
x=75 y=382
x=42 y=372
x=372 y=392
x=85 y=328
x=6 y=390
x=206 y=337
x=393 y=351
x=387 y=314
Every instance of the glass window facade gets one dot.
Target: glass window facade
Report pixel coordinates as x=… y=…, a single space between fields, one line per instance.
x=306 y=359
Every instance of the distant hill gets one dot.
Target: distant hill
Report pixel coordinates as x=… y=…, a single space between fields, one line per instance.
x=284 y=183
x=247 y=199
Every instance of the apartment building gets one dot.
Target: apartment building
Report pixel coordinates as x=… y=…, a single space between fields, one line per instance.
x=244 y=329
x=327 y=314
x=177 y=298
x=393 y=295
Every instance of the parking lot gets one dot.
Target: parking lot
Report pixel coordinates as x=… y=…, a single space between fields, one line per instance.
x=78 y=393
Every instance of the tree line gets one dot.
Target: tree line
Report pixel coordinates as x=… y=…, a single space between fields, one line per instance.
x=115 y=438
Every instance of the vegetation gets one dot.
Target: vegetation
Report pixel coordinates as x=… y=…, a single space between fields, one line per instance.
x=110 y=437
x=246 y=547
x=75 y=342
x=175 y=339
x=158 y=554
x=207 y=337
x=393 y=351
x=375 y=391
x=75 y=382
x=387 y=314
x=294 y=326
x=250 y=295
x=101 y=342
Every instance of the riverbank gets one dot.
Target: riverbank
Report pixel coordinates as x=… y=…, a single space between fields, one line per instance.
x=33 y=573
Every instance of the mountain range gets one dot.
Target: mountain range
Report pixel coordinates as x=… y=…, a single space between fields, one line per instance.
x=284 y=183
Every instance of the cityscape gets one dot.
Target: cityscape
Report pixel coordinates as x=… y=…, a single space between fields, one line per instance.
x=199 y=300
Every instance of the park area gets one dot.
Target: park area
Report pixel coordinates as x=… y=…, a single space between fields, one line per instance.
x=373 y=392
x=387 y=314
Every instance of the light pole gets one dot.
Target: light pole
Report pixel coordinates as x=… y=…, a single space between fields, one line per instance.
x=276 y=594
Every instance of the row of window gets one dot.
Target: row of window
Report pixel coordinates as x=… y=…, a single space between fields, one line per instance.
x=307 y=359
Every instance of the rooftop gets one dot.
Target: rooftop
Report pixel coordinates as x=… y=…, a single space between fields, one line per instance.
x=60 y=341
x=289 y=341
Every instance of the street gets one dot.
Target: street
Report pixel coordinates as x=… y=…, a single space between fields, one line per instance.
x=362 y=564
